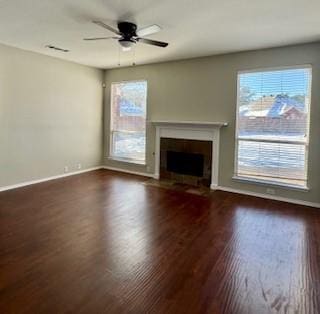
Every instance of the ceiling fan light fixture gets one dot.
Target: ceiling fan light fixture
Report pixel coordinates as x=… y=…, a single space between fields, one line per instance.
x=126 y=49
x=126 y=44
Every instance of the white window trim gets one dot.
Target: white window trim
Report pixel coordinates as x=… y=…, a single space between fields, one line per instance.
x=246 y=179
x=111 y=131
x=128 y=160
x=270 y=183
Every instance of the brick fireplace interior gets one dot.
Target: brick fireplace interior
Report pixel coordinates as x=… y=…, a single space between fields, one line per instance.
x=186 y=161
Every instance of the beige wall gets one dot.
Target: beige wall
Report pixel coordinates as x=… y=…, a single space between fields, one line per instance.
x=204 y=89
x=50 y=116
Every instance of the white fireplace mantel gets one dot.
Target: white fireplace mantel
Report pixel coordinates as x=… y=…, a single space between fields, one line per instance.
x=192 y=124
x=192 y=130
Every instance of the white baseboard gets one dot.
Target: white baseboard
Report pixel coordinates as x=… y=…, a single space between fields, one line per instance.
x=227 y=189
x=138 y=173
x=270 y=197
x=214 y=186
x=150 y=175
x=19 y=185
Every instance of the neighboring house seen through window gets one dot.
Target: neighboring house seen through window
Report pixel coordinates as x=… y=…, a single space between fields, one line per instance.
x=272 y=133
x=128 y=121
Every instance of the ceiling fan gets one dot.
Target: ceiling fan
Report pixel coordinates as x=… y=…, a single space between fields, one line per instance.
x=128 y=35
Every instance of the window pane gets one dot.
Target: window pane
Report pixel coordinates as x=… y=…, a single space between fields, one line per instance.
x=129 y=145
x=271 y=161
x=128 y=119
x=274 y=104
x=129 y=106
x=273 y=125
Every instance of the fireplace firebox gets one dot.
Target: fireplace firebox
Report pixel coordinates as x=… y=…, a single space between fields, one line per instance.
x=185 y=163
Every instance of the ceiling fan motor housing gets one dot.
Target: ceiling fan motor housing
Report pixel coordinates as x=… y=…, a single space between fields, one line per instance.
x=127 y=30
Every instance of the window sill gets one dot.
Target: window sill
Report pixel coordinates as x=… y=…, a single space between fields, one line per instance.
x=128 y=160
x=271 y=183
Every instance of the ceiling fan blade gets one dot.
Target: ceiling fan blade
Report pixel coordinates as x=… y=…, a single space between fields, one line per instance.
x=152 y=42
x=152 y=29
x=100 y=38
x=111 y=29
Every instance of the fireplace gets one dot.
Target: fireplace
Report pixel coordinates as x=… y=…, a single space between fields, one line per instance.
x=186 y=161
x=198 y=133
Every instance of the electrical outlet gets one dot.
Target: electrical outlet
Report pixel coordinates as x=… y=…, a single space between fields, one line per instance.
x=66 y=169
x=79 y=166
x=271 y=191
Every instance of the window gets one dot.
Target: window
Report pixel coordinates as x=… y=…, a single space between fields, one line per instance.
x=128 y=121
x=273 y=126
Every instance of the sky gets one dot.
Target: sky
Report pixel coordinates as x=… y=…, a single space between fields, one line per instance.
x=291 y=82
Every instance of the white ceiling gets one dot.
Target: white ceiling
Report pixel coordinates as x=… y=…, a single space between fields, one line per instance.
x=192 y=27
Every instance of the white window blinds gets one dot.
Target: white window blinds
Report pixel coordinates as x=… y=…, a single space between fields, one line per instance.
x=273 y=125
x=128 y=120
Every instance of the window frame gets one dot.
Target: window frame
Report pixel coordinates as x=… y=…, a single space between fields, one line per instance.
x=267 y=182
x=112 y=132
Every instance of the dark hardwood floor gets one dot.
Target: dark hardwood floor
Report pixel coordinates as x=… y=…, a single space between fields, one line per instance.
x=103 y=242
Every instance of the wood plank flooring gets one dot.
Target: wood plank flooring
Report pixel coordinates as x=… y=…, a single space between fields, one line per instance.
x=103 y=242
